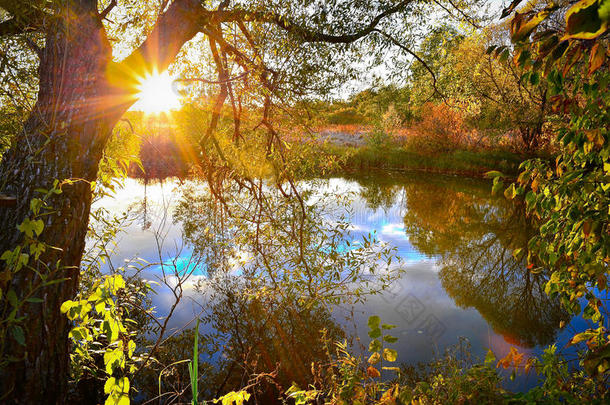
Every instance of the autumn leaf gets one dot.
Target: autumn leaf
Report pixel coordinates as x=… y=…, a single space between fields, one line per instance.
x=373 y=372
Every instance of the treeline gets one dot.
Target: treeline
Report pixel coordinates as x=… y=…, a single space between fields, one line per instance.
x=460 y=96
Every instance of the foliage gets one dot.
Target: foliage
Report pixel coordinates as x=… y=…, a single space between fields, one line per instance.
x=346 y=380
x=569 y=197
x=25 y=258
x=102 y=326
x=237 y=398
x=456 y=379
x=286 y=240
x=378 y=139
x=441 y=129
x=194 y=366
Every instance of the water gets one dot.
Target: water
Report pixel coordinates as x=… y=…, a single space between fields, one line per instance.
x=457 y=279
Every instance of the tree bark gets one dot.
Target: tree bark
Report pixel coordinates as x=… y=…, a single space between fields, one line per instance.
x=63 y=138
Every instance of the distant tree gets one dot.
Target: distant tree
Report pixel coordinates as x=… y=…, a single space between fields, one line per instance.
x=494 y=95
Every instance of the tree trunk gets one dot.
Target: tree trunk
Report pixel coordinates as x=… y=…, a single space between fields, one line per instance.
x=81 y=96
x=63 y=138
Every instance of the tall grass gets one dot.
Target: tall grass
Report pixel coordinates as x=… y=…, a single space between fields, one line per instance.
x=194 y=366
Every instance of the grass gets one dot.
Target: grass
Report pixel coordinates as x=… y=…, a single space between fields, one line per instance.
x=394 y=157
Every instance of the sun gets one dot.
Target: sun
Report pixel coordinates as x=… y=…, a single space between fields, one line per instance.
x=156 y=94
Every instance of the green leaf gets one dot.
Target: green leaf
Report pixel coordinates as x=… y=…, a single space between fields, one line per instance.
x=604 y=10
x=374 y=322
x=375 y=333
x=12 y=298
x=387 y=326
x=38 y=226
x=390 y=338
x=19 y=335
x=493 y=174
x=490 y=358
x=497 y=186
x=375 y=345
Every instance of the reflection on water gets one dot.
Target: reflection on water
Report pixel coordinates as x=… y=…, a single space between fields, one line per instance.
x=475 y=238
x=458 y=275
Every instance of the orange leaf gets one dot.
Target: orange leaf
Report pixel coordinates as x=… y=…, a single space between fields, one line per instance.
x=597 y=57
x=373 y=372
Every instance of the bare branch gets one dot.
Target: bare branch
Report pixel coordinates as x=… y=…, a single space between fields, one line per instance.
x=207 y=81
x=108 y=9
x=466 y=17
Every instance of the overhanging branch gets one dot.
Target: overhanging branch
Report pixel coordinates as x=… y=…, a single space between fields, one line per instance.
x=417 y=57
x=304 y=33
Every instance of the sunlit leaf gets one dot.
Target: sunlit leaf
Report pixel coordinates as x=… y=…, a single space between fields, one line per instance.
x=390 y=354
x=583 y=21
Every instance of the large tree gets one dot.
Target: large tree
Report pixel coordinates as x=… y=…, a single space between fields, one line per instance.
x=82 y=91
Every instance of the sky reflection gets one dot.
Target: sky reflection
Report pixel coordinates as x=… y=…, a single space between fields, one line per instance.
x=455 y=241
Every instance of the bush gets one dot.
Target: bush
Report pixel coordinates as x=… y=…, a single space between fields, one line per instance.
x=441 y=129
x=378 y=139
x=345 y=116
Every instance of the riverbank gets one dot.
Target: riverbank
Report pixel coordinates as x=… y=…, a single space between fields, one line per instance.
x=394 y=157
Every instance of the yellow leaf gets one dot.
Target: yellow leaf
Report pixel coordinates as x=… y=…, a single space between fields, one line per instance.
x=583 y=22
x=374 y=359
x=390 y=354
x=109 y=385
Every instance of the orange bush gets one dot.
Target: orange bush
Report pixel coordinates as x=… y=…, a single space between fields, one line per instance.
x=440 y=129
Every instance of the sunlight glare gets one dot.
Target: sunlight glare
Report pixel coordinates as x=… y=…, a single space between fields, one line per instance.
x=156 y=94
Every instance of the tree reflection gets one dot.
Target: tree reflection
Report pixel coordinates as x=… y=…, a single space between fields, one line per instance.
x=265 y=343
x=475 y=236
x=299 y=242
x=379 y=191
x=273 y=260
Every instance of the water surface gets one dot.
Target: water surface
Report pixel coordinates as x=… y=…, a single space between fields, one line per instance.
x=459 y=281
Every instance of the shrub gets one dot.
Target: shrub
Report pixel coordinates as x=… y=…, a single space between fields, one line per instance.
x=440 y=129
x=378 y=139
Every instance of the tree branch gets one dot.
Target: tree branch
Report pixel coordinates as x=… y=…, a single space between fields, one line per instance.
x=181 y=22
x=420 y=60
x=306 y=34
x=207 y=81
x=12 y=27
x=25 y=18
x=108 y=9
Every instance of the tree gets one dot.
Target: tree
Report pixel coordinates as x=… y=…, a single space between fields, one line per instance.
x=82 y=92
x=568 y=196
x=506 y=97
x=495 y=95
